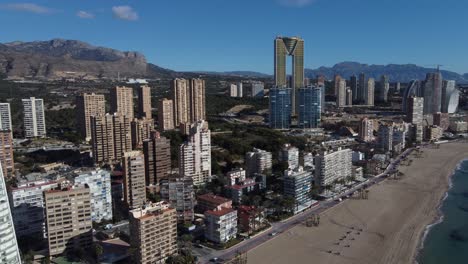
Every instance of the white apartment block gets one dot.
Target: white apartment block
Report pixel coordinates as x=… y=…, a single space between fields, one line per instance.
x=99 y=183
x=27 y=201
x=195 y=154
x=290 y=155
x=258 y=161
x=9 y=252
x=5 y=117
x=221 y=225
x=333 y=166
x=34 y=118
x=232 y=176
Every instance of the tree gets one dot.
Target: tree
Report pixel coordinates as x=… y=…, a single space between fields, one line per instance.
x=98 y=251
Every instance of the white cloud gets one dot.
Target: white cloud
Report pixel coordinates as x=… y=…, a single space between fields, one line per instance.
x=28 y=7
x=84 y=14
x=125 y=13
x=296 y=3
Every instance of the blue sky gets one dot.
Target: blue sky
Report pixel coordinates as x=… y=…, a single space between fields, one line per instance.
x=227 y=35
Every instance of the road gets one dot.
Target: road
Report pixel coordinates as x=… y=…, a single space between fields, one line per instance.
x=206 y=254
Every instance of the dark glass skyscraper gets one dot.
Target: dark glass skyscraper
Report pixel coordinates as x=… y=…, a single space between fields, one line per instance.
x=354 y=87
x=280 y=108
x=310 y=105
x=432 y=92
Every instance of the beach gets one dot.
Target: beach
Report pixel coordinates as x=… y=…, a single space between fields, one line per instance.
x=385 y=228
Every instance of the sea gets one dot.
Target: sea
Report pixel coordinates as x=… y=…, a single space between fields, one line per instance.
x=446 y=241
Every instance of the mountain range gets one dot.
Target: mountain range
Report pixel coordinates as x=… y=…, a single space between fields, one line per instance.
x=59 y=58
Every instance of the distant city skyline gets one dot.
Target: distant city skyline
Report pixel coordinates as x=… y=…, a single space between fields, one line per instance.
x=238 y=36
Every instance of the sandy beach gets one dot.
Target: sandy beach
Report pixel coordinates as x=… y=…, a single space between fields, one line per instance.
x=392 y=220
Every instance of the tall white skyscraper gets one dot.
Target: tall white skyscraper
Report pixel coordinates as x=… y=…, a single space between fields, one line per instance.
x=9 y=252
x=34 y=118
x=5 y=117
x=195 y=154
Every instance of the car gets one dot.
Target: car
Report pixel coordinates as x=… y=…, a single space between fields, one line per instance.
x=198 y=246
x=273 y=234
x=214 y=259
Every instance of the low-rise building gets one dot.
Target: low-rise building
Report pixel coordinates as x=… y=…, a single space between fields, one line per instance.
x=250 y=218
x=209 y=201
x=220 y=225
x=458 y=126
x=433 y=133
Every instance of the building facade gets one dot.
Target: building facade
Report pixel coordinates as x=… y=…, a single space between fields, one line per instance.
x=141 y=130
x=88 y=105
x=157 y=152
x=5 y=117
x=432 y=92
x=290 y=155
x=99 y=183
x=9 y=252
x=258 y=161
x=297 y=185
x=366 y=130
x=220 y=225
x=133 y=165
x=153 y=233
x=34 y=117
x=333 y=166
x=6 y=153
x=144 y=102
x=369 y=96
x=385 y=137
x=69 y=222
x=122 y=101
x=178 y=191
x=310 y=107
x=165 y=114
x=280 y=108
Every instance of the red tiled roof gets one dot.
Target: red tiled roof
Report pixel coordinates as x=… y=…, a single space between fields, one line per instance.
x=221 y=212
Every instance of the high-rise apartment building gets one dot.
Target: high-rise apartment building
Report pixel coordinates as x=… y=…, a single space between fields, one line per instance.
x=257 y=89
x=290 y=155
x=141 y=130
x=294 y=47
x=197 y=99
x=189 y=100
x=336 y=84
x=414 y=114
x=240 y=89
x=297 y=185
x=362 y=89
x=133 y=165
x=27 y=201
x=233 y=90
x=349 y=97
x=5 y=117
x=122 y=101
x=258 y=161
x=354 y=85
x=178 y=191
x=195 y=154
x=310 y=106
x=385 y=137
x=333 y=166
x=69 y=223
x=432 y=93
x=9 y=252
x=34 y=117
x=280 y=108
x=157 y=152
x=111 y=137
x=144 y=102
x=99 y=183
x=366 y=130
x=88 y=105
x=153 y=233
x=6 y=153
x=341 y=93
x=166 y=114
x=369 y=96
x=383 y=88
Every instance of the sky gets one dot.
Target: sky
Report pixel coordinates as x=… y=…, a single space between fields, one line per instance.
x=231 y=35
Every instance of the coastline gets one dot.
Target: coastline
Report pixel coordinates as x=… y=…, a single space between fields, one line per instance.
x=395 y=220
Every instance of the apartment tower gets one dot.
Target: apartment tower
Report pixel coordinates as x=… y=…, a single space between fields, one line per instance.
x=157 y=152
x=5 y=117
x=133 y=164
x=88 y=105
x=122 y=101
x=34 y=118
x=6 y=153
x=166 y=114
x=144 y=102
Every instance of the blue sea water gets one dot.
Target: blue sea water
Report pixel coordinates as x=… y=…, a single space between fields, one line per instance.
x=447 y=241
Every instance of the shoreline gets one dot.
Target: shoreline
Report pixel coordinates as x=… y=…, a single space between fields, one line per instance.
x=440 y=215
x=395 y=220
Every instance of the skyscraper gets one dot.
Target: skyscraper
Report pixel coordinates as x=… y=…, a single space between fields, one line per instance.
x=369 y=96
x=354 y=87
x=341 y=93
x=69 y=224
x=415 y=110
x=336 y=84
x=111 y=137
x=349 y=97
x=157 y=152
x=88 y=105
x=6 y=153
x=5 y=117
x=34 y=118
x=9 y=252
x=310 y=106
x=165 y=114
x=141 y=130
x=153 y=233
x=122 y=101
x=362 y=89
x=432 y=92
x=385 y=137
x=280 y=108
x=197 y=100
x=383 y=87
x=133 y=164
x=240 y=89
x=144 y=102
x=195 y=154
x=450 y=97
x=294 y=47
